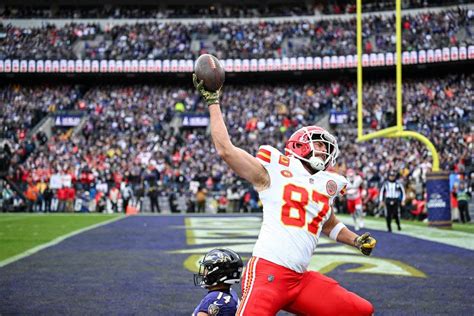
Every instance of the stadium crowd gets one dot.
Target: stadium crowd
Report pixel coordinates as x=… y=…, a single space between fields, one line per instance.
x=131 y=150
x=265 y=39
x=217 y=10
x=24 y=106
x=155 y=12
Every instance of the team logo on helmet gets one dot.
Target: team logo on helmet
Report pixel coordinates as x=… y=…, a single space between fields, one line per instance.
x=219 y=266
x=331 y=187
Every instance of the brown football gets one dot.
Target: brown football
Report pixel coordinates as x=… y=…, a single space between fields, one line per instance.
x=209 y=69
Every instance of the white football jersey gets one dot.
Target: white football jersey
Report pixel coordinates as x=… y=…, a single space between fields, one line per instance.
x=295 y=207
x=353 y=187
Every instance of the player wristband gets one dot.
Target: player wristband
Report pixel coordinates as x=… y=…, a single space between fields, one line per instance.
x=336 y=230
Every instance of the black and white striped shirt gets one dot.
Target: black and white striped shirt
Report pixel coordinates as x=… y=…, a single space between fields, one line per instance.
x=392 y=190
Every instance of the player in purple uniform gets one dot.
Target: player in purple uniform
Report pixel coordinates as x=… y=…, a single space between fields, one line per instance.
x=218 y=270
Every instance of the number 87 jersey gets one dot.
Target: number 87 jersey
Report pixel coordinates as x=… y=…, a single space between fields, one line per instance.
x=295 y=207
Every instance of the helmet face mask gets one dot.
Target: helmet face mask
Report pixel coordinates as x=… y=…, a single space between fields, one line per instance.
x=219 y=266
x=302 y=145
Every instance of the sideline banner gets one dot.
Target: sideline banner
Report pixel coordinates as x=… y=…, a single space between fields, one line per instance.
x=195 y=120
x=67 y=120
x=445 y=54
x=438 y=199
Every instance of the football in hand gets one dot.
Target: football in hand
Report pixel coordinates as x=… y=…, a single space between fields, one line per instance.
x=209 y=69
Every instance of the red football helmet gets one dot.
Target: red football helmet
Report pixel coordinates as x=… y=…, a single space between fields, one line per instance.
x=301 y=146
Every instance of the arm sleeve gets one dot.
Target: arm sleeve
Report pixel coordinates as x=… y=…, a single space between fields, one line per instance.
x=204 y=305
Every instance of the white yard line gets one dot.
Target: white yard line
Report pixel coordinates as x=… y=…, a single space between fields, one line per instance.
x=443 y=236
x=54 y=242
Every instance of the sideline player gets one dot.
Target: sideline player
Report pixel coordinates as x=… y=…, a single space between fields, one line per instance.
x=297 y=195
x=218 y=270
x=354 y=198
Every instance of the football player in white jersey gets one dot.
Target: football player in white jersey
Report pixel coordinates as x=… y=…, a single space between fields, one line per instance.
x=297 y=193
x=354 y=198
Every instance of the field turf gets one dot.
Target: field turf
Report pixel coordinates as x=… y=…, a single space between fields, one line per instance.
x=19 y=233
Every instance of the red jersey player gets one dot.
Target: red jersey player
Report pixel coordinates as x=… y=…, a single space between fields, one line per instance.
x=354 y=198
x=297 y=195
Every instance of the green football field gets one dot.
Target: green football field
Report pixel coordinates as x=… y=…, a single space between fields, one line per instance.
x=21 y=232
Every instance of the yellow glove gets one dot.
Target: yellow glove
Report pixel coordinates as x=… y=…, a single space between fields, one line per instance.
x=209 y=96
x=365 y=243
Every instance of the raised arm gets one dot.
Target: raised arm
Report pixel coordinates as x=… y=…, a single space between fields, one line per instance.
x=241 y=162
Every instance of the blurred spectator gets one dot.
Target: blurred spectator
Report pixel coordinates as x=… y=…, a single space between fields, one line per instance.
x=233 y=197
x=114 y=197
x=201 y=200
x=153 y=194
x=7 y=198
x=222 y=203
x=127 y=194
x=463 y=196
x=371 y=199
x=47 y=199
x=70 y=198
x=31 y=194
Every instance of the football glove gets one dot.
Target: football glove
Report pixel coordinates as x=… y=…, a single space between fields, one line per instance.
x=208 y=96
x=365 y=243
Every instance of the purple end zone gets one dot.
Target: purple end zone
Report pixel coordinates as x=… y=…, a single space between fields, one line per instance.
x=123 y=268
x=445 y=290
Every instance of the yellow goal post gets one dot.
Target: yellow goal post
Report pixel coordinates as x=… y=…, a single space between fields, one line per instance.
x=398 y=130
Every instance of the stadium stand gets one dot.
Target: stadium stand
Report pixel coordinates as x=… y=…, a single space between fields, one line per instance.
x=24 y=106
x=130 y=133
x=135 y=133
x=215 y=10
x=235 y=39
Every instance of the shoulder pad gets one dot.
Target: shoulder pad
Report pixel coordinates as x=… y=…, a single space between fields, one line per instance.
x=268 y=154
x=337 y=176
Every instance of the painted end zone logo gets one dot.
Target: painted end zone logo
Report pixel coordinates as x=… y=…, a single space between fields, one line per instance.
x=240 y=235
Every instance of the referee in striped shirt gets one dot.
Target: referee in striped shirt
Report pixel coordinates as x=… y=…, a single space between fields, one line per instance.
x=392 y=195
